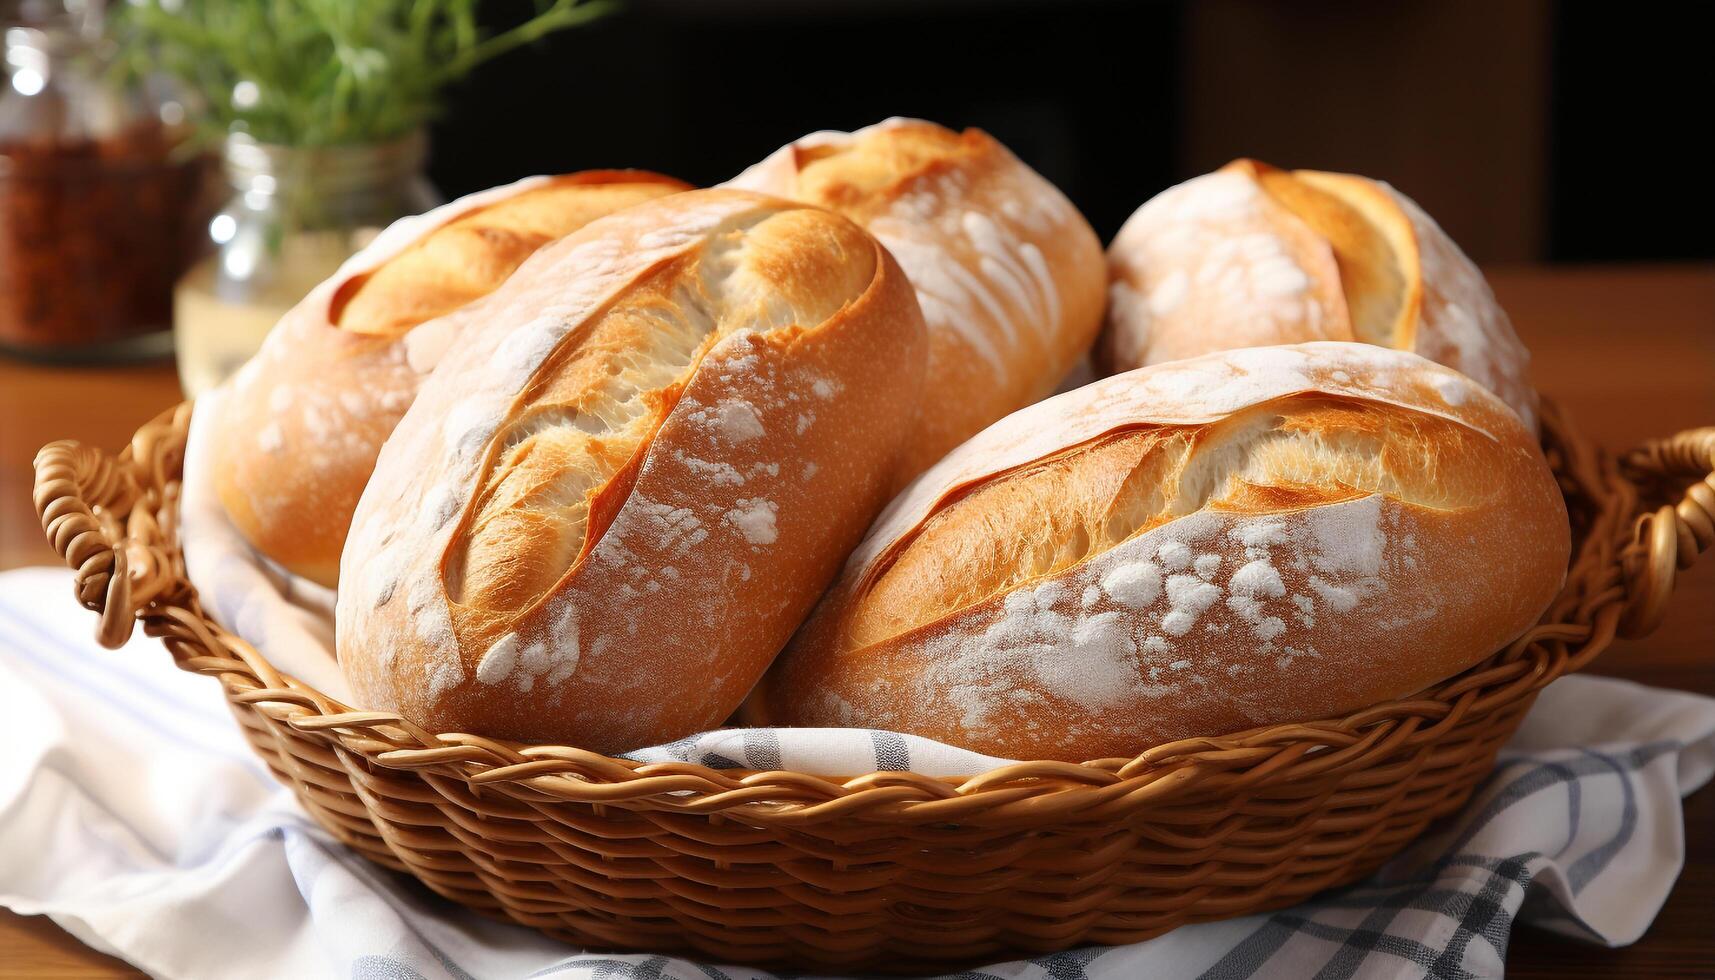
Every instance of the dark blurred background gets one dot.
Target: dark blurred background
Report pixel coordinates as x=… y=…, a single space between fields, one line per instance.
x=1532 y=130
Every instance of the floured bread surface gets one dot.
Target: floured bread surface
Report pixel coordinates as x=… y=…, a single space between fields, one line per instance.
x=609 y=509
x=1007 y=272
x=1251 y=256
x=308 y=414
x=1246 y=538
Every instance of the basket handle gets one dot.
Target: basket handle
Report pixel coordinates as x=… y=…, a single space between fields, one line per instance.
x=83 y=497
x=1669 y=538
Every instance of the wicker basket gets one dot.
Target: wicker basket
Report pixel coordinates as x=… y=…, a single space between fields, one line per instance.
x=885 y=871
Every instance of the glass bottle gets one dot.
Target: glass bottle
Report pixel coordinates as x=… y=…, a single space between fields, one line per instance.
x=295 y=214
x=97 y=197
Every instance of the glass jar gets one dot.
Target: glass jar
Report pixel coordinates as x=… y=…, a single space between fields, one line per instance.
x=295 y=214
x=97 y=197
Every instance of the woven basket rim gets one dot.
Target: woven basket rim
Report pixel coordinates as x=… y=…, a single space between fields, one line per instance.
x=1621 y=569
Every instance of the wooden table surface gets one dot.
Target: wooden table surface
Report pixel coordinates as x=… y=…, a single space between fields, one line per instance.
x=1628 y=351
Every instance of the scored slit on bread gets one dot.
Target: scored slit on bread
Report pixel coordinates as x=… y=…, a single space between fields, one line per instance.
x=563 y=458
x=1251 y=255
x=469 y=256
x=1040 y=520
x=1380 y=277
x=861 y=177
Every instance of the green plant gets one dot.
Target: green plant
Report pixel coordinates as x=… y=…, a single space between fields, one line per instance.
x=324 y=72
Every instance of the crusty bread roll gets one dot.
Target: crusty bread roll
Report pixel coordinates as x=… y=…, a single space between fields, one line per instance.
x=1250 y=537
x=607 y=511
x=1250 y=256
x=1007 y=271
x=307 y=415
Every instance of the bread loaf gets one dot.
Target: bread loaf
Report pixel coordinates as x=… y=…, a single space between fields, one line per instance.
x=608 y=510
x=307 y=415
x=1250 y=256
x=1007 y=271
x=1250 y=537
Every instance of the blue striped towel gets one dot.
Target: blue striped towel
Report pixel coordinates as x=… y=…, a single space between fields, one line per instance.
x=132 y=812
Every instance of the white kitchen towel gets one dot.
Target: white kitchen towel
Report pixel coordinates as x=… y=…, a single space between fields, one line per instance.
x=288 y=619
x=132 y=812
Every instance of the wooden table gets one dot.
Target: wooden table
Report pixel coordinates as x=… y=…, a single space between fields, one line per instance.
x=1629 y=352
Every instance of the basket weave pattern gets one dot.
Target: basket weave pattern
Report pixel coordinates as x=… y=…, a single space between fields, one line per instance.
x=885 y=871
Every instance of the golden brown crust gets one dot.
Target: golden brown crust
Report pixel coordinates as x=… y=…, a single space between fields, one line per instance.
x=1251 y=255
x=307 y=416
x=1251 y=537
x=599 y=526
x=469 y=256
x=1007 y=271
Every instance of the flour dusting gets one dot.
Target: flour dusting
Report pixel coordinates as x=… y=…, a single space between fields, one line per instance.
x=737 y=421
x=755 y=520
x=496 y=665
